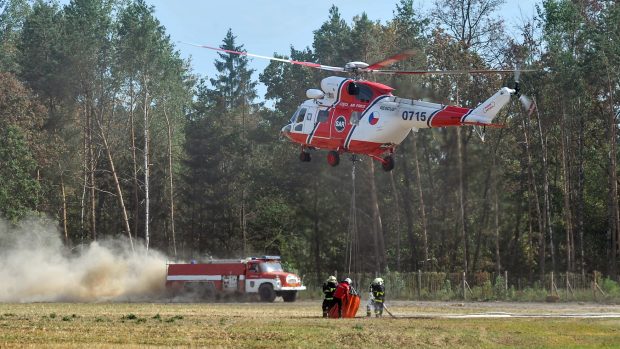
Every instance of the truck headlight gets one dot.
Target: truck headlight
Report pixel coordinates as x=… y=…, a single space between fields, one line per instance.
x=292 y=279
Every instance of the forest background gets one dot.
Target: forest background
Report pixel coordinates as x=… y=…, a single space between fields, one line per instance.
x=105 y=129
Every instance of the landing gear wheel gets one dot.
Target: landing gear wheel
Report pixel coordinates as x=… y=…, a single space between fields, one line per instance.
x=266 y=292
x=388 y=163
x=333 y=158
x=304 y=157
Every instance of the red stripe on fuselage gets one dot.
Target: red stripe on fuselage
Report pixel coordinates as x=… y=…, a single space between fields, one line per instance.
x=319 y=142
x=450 y=116
x=368 y=148
x=358 y=147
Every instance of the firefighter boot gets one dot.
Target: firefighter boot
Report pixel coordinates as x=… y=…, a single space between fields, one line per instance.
x=324 y=313
x=379 y=312
x=368 y=311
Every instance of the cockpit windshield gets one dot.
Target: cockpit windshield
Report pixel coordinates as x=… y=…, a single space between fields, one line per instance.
x=270 y=266
x=294 y=116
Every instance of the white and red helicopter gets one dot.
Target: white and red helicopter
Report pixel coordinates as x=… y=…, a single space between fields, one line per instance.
x=351 y=115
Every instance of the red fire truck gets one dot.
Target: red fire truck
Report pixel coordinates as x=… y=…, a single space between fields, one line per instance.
x=213 y=278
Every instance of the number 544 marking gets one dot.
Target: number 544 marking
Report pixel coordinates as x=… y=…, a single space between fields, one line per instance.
x=409 y=115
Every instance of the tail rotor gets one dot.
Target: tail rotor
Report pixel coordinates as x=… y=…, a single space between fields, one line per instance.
x=528 y=105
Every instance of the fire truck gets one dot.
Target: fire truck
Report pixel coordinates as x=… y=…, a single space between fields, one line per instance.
x=215 y=278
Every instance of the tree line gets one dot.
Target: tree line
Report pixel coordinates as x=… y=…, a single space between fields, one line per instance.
x=105 y=128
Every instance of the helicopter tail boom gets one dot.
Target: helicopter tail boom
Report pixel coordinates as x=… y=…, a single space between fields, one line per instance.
x=486 y=111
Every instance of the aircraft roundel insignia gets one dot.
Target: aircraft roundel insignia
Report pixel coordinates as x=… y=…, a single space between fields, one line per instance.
x=373 y=118
x=340 y=123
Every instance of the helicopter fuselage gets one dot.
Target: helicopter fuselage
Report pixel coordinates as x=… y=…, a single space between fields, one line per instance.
x=363 y=117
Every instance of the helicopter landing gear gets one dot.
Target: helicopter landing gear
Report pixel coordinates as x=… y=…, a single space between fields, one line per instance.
x=387 y=163
x=304 y=156
x=333 y=158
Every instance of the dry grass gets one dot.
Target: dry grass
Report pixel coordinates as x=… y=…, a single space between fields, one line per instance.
x=283 y=325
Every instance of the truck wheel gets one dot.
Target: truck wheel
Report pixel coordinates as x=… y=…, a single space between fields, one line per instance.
x=289 y=296
x=266 y=292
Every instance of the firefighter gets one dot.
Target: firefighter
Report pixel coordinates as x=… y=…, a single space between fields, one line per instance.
x=376 y=297
x=342 y=291
x=329 y=287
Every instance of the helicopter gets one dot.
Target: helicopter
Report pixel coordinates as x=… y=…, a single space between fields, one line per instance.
x=362 y=117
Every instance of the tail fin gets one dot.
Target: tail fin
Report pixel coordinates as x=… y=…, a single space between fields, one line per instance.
x=486 y=111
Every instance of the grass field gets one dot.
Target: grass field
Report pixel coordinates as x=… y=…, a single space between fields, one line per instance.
x=292 y=325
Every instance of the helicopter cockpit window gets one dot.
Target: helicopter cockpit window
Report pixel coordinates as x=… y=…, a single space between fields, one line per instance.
x=300 y=115
x=323 y=116
x=355 y=118
x=294 y=117
x=353 y=89
x=364 y=94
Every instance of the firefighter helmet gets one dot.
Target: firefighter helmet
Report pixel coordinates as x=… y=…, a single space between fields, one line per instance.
x=377 y=281
x=347 y=280
x=331 y=279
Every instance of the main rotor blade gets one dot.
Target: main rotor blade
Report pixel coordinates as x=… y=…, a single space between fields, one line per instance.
x=444 y=72
x=391 y=60
x=291 y=61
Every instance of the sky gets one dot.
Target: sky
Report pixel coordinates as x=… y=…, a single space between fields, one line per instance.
x=265 y=27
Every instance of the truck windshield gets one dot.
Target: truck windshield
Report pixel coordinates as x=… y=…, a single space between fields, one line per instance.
x=270 y=266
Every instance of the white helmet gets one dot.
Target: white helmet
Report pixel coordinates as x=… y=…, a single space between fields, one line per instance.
x=331 y=279
x=377 y=281
x=347 y=280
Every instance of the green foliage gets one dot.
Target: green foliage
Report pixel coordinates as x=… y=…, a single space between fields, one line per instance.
x=233 y=88
x=174 y=318
x=483 y=292
x=286 y=96
x=12 y=15
x=19 y=189
x=41 y=52
x=332 y=41
x=398 y=288
x=529 y=294
x=446 y=292
x=499 y=288
x=611 y=287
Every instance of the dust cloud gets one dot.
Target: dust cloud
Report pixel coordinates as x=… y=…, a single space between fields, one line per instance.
x=35 y=266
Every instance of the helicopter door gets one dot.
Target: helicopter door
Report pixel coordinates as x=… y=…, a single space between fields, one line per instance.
x=310 y=120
